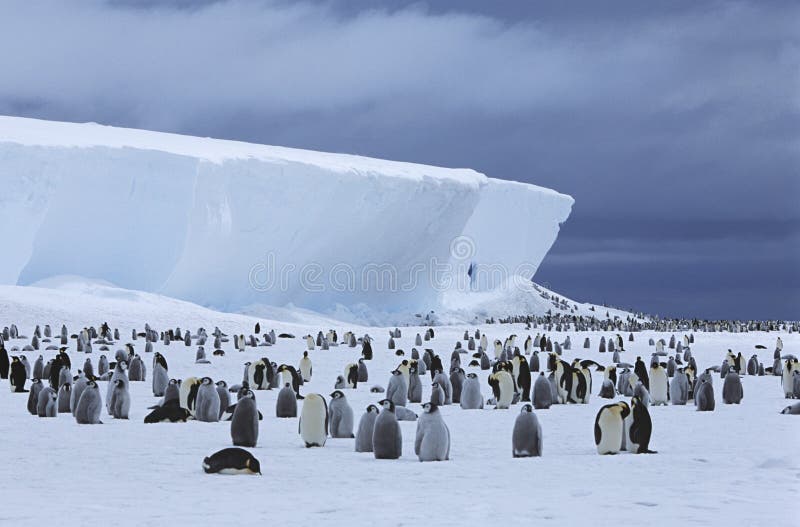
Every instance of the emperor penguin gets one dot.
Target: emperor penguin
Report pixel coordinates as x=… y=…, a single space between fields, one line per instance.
x=244 y=423
x=257 y=375
x=120 y=373
x=286 y=404
x=120 y=403
x=471 y=397
x=188 y=393
x=208 y=403
x=732 y=391
x=432 y=442
x=526 y=439
x=363 y=373
x=160 y=379
x=524 y=378
x=437 y=394
x=787 y=376
x=17 y=376
x=752 y=365
x=562 y=372
x=414 y=384
x=444 y=382
x=793 y=409
x=640 y=370
x=313 y=424
x=609 y=426
x=387 y=440
x=88 y=410
x=232 y=461
x=305 y=367
x=503 y=388
x=679 y=388
x=534 y=363
x=397 y=390
x=76 y=391
x=38 y=368
x=366 y=427
x=542 y=393
x=607 y=390
x=224 y=396
x=33 y=396
x=340 y=416
x=641 y=427
x=351 y=375
x=46 y=405
x=289 y=374
x=704 y=396
x=457 y=378
x=659 y=385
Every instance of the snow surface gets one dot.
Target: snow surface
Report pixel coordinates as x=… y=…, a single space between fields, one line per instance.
x=230 y=224
x=735 y=466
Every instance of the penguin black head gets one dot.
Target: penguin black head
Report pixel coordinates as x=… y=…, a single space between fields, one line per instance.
x=337 y=394
x=387 y=405
x=430 y=408
x=472 y=375
x=372 y=409
x=399 y=353
x=253 y=465
x=248 y=393
x=526 y=408
x=207 y=381
x=222 y=384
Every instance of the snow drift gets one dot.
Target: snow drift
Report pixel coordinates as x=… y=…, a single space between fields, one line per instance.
x=230 y=224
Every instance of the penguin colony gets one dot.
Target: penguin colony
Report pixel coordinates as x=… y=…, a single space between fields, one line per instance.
x=535 y=378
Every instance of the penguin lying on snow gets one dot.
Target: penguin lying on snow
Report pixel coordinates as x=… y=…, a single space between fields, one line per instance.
x=232 y=461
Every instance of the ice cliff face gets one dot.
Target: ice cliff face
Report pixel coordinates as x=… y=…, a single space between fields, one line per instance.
x=229 y=224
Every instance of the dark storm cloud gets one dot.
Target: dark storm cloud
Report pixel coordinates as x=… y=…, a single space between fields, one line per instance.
x=673 y=124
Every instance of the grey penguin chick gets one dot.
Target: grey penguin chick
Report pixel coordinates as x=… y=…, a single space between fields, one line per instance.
x=387 y=439
x=366 y=426
x=340 y=416
x=432 y=442
x=471 y=397
x=244 y=423
x=120 y=400
x=89 y=405
x=732 y=391
x=286 y=404
x=207 y=405
x=526 y=439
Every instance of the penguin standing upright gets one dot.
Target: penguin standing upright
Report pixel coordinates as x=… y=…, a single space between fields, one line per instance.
x=432 y=442
x=641 y=371
x=659 y=385
x=286 y=404
x=471 y=397
x=526 y=438
x=244 y=423
x=609 y=426
x=641 y=427
x=524 y=379
x=340 y=416
x=366 y=426
x=4 y=362
x=208 y=403
x=313 y=426
x=387 y=440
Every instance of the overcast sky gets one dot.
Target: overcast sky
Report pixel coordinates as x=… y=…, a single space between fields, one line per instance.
x=675 y=125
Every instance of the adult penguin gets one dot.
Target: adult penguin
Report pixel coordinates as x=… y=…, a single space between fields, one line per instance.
x=609 y=427
x=313 y=426
x=432 y=441
x=366 y=427
x=526 y=438
x=351 y=375
x=244 y=423
x=641 y=427
x=286 y=404
x=208 y=403
x=305 y=367
x=17 y=376
x=732 y=391
x=5 y=364
x=289 y=374
x=562 y=372
x=524 y=378
x=659 y=384
x=641 y=371
x=387 y=440
x=503 y=388
x=340 y=416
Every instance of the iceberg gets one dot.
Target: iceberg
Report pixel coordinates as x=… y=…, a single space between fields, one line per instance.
x=228 y=224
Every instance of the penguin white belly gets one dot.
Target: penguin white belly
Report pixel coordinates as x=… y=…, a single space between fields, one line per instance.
x=630 y=446
x=611 y=429
x=506 y=392
x=658 y=387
